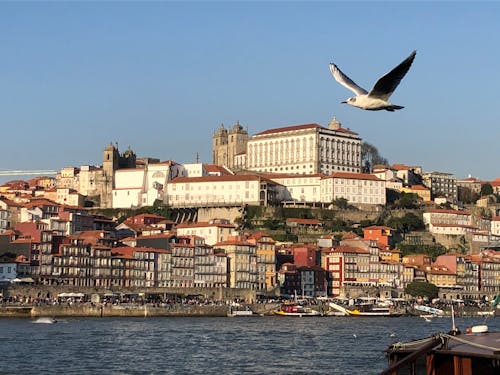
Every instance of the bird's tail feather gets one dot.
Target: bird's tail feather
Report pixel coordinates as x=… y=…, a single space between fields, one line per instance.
x=394 y=107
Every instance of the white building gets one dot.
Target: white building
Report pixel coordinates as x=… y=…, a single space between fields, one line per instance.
x=137 y=187
x=195 y=170
x=300 y=187
x=356 y=188
x=213 y=231
x=446 y=216
x=305 y=149
x=223 y=190
x=390 y=178
x=495 y=226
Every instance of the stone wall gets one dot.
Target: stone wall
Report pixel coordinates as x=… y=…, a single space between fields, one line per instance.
x=51 y=291
x=230 y=213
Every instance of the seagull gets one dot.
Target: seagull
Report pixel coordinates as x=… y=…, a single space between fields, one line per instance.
x=377 y=98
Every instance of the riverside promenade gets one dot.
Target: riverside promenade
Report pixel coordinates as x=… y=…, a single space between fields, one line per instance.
x=49 y=301
x=102 y=311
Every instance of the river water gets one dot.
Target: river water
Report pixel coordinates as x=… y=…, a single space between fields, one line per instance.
x=253 y=345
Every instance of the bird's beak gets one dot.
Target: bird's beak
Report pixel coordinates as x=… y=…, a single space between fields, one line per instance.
x=344 y=102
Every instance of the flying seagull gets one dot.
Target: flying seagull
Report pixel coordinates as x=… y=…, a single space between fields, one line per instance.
x=377 y=98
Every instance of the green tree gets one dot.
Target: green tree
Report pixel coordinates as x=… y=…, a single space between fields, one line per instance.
x=422 y=289
x=406 y=223
x=341 y=203
x=408 y=200
x=486 y=189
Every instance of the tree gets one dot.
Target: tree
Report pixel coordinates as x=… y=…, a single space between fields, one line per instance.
x=341 y=203
x=422 y=289
x=406 y=223
x=370 y=157
x=408 y=200
x=486 y=189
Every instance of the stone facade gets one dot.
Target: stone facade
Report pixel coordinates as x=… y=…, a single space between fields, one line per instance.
x=227 y=144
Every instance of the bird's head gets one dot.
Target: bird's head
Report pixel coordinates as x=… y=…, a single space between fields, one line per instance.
x=349 y=101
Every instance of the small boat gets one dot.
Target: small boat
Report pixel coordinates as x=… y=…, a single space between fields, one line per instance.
x=296 y=310
x=428 y=310
x=453 y=353
x=236 y=310
x=45 y=320
x=370 y=310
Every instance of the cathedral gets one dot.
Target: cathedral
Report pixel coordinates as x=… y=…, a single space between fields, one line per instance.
x=297 y=149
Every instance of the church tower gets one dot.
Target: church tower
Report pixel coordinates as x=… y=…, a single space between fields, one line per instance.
x=219 y=146
x=237 y=143
x=229 y=143
x=110 y=162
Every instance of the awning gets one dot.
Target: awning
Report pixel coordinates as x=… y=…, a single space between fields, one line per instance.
x=69 y=295
x=27 y=280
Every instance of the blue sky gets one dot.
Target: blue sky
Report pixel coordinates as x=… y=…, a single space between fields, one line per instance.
x=162 y=76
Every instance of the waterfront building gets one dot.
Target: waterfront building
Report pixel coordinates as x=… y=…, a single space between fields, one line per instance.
x=305 y=149
x=442 y=277
x=156 y=241
x=266 y=260
x=8 y=271
x=242 y=262
x=230 y=190
x=183 y=264
x=488 y=262
x=347 y=266
x=302 y=281
x=440 y=183
x=210 y=266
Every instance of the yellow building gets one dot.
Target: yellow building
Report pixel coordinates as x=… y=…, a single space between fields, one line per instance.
x=266 y=260
x=420 y=190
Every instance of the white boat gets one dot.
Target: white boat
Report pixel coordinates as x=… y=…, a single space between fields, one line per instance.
x=45 y=320
x=237 y=310
x=429 y=310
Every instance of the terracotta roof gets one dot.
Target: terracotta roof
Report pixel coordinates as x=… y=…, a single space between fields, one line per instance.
x=303 y=221
x=418 y=187
x=355 y=176
x=240 y=177
x=214 y=168
x=446 y=211
x=234 y=242
x=349 y=249
x=290 y=128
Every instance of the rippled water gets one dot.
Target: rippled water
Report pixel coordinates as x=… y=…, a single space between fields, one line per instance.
x=260 y=345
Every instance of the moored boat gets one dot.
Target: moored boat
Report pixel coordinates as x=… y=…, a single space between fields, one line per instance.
x=475 y=352
x=296 y=310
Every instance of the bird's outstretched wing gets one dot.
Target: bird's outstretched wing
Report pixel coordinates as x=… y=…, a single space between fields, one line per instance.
x=386 y=85
x=346 y=81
